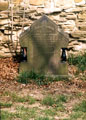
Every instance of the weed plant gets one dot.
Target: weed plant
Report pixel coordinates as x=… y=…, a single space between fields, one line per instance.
x=5 y=105
x=79 y=61
x=48 y=100
x=56 y=102
x=38 y=78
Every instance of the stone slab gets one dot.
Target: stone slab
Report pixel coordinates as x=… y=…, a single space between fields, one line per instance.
x=44 y=42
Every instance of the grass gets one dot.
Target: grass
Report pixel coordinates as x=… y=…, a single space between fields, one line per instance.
x=62 y=98
x=78 y=95
x=38 y=78
x=50 y=100
x=49 y=112
x=27 y=77
x=56 y=102
x=79 y=111
x=52 y=106
x=81 y=107
x=22 y=113
x=75 y=116
x=79 y=61
x=43 y=118
x=16 y=98
x=5 y=115
x=5 y=105
x=83 y=77
x=25 y=113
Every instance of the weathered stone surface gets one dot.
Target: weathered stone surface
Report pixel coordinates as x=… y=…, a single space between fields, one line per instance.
x=76 y=10
x=79 y=47
x=70 y=3
x=68 y=27
x=63 y=14
x=36 y=2
x=79 y=2
x=82 y=27
x=82 y=16
x=79 y=34
x=71 y=17
x=70 y=22
x=83 y=40
x=68 y=15
x=3 y=22
x=3 y=5
x=55 y=18
x=44 y=42
x=51 y=10
x=17 y=1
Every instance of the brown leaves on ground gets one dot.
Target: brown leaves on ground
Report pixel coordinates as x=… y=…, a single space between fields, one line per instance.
x=9 y=71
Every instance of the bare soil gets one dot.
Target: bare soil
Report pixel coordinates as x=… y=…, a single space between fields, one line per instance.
x=9 y=72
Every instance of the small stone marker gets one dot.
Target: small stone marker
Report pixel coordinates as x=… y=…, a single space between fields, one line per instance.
x=44 y=43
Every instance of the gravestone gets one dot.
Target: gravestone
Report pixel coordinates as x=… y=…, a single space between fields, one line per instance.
x=43 y=43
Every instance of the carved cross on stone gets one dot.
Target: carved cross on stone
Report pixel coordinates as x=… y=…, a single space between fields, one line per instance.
x=43 y=43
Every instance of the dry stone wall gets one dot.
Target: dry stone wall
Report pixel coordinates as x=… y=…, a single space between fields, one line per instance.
x=70 y=15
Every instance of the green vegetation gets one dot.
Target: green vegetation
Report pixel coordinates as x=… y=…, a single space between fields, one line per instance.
x=43 y=118
x=22 y=113
x=25 y=113
x=5 y=115
x=16 y=98
x=56 y=102
x=27 y=77
x=49 y=112
x=79 y=61
x=80 y=107
x=38 y=78
x=79 y=111
x=50 y=100
x=7 y=105
x=52 y=105
x=83 y=77
x=6 y=93
x=62 y=98
x=75 y=116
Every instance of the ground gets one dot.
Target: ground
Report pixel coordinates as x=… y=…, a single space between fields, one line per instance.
x=62 y=100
